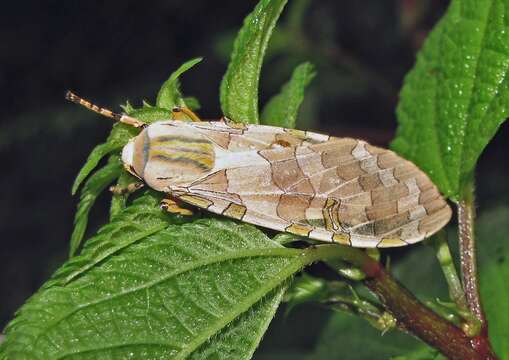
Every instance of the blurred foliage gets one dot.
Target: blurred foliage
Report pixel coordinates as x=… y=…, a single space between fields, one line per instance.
x=492 y=229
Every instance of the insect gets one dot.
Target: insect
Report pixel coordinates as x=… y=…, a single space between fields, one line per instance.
x=332 y=189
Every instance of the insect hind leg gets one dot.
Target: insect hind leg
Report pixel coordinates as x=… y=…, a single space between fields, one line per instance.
x=172 y=206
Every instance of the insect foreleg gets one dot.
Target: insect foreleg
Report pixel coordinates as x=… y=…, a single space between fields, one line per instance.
x=171 y=205
x=130 y=188
x=177 y=112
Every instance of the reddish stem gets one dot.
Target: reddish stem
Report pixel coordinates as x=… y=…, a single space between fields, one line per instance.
x=424 y=323
x=411 y=315
x=468 y=260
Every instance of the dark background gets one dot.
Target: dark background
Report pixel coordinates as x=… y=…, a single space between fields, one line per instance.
x=123 y=50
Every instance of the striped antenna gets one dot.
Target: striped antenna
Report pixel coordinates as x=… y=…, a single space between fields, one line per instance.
x=69 y=95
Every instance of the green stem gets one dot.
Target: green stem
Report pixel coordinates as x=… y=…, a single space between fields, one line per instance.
x=444 y=257
x=472 y=326
x=410 y=314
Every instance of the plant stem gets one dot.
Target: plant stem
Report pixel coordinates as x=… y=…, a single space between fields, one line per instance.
x=444 y=257
x=466 y=238
x=410 y=314
x=472 y=325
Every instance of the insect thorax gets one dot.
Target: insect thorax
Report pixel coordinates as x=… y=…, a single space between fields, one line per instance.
x=165 y=154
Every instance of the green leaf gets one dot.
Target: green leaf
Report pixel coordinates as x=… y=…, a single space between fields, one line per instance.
x=145 y=289
x=457 y=95
x=169 y=96
x=282 y=109
x=148 y=115
x=95 y=156
x=93 y=187
x=492 y=230
x=304 y=289
x=119 y=201
x=143 y=218
x=192 y=103
x=350 y=338
x=240 y=339
x=422 y=353
x=239 y=87
x=403 y=269
x=128 y=108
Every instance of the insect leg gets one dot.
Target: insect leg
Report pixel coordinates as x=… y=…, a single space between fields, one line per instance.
x=170 y=205
x=177 y=112
x=130 y=188
x=102 y=111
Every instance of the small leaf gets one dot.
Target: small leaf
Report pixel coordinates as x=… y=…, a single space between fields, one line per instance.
x=239 y=87
x=282 y=109
x=206 y=288
x=95 y=156
x=192 y=103
x=305 y=289
x=169 y=96
x=457 y=95
x=150 y=115
x=128 y=108
x=119 y=201
x=492 y=230
x=93 y=187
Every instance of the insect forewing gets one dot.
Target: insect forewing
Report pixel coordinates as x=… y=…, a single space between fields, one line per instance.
x=332 y=189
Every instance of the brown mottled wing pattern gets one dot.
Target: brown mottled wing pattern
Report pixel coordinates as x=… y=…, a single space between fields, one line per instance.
x=375 y=196
x=330 y=189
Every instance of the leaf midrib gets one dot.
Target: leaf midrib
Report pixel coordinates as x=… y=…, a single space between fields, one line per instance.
x=274 y=252
x=467 y=121
x=243 y=306
x=119 y=345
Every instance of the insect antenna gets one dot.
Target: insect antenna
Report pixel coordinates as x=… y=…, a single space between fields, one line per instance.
x=69 y=95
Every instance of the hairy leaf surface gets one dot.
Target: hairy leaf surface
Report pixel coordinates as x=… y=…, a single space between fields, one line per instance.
x=239 y=87
x=170 y=95
x=457 y=95
x=148 y=289
x=92 y=189
x=95 y=156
